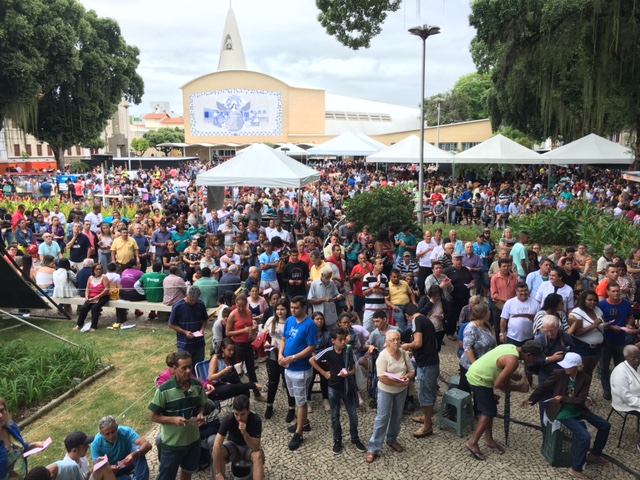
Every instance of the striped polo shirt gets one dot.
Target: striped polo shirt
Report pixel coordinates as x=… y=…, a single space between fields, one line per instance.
x=375 y=301
x=171 y=400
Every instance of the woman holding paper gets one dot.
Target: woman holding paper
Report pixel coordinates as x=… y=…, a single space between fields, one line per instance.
x=225 y=370
x=13 y=464
x=394 y=370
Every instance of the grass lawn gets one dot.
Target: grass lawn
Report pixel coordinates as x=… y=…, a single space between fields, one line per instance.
x=138 y=356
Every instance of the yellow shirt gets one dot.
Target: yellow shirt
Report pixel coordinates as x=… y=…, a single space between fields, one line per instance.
x=125 y=251
x=316 y=272
x=400 y=294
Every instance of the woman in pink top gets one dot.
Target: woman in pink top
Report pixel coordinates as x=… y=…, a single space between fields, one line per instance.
x=97 y=295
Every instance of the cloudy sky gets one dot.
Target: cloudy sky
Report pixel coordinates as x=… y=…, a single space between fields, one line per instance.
x=180 y=41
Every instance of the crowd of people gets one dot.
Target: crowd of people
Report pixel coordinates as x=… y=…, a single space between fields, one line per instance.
x=315 y=294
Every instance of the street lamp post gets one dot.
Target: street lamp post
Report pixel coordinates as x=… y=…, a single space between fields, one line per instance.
x=423 y=32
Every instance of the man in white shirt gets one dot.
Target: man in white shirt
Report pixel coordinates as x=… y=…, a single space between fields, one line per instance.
x=95 y=218
x=56 y=213
x=516 y=319
x=280 y=232
x=423 y=255
x=625 y=382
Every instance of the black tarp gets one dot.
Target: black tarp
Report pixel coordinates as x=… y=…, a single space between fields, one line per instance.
x=15 y=292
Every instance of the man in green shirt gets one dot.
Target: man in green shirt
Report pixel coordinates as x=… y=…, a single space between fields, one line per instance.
x=150 y=284
x=406 y=242
x=208 y=288
x=496 y=369
x=178 y=406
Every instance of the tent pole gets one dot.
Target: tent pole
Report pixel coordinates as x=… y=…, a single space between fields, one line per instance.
x=299 y=205
x=549 y=177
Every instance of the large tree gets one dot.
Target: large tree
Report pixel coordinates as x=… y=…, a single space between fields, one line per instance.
x=466 y=101
x=63 y=71
x=355 y=22
x=560 y=67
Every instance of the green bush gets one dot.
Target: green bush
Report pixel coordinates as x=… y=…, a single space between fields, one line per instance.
x=79 y=167
x=31 y=377
x=388 y=207
x=579 y=223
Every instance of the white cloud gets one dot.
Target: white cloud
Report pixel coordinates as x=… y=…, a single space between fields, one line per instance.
x=180 y=41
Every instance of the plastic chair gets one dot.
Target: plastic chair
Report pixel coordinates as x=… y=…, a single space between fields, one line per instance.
x=461 y=401
x=202 y=370
x=454 y=382
x=624 y=416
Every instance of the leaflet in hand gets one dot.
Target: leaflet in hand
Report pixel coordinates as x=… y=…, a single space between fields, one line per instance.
x=344 y=372
x=197 y=334
x=121 y=464
x=101 y=463
x=33 y=451
x=267 y=291
x=393 y=376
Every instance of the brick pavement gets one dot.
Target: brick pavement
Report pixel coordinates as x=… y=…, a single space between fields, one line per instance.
x=442 y=456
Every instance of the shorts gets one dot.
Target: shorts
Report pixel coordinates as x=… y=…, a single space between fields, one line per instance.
x=485 y=401
x=427 y=384
x=274 y=286
x=298 y=384
x=358 y=303
x=239 y=452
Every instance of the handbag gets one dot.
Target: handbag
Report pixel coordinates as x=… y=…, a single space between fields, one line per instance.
x=259 y=342
x=115 y=294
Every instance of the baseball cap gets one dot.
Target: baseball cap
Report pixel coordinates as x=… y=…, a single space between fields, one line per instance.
x=77 y=439
x=456 y=255
x=406 y=254
x=163 y=223
x=570 y=360
x=609 y=249
x=533 y=348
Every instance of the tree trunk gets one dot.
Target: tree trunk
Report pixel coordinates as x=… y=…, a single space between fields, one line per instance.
x=58 y=153
x=636 y=148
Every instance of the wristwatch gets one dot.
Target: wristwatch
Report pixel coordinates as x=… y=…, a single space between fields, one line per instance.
x=501 y=335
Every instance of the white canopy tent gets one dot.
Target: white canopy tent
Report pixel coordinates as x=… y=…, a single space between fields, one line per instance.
x=499 y=149
x=346 y=145
x=259 y=166
x=292 y=150
x=591 y=149
x=408 y=151
x=374 y=143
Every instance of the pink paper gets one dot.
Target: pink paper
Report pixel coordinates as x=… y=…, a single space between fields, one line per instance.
x=101 y=463
x=267 y=291
x=33 y=451
x=121 y=464
x=344 y=372
x=395 y=377
x=197 y=334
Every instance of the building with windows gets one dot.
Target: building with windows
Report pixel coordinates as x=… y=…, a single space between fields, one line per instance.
x=234 y=105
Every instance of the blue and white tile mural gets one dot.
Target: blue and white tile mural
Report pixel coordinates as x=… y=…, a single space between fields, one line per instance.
x=236 y=113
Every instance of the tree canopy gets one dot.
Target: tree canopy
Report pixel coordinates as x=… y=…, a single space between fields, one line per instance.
x=560 y=67
x=466 y=101
x=164 y=135
x=63 y=71
x=355 y=22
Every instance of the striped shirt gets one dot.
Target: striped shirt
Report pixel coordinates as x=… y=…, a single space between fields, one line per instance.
x=171 y=400
x=375 y=301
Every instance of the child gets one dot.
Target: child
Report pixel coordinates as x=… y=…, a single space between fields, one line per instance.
x=342 y=387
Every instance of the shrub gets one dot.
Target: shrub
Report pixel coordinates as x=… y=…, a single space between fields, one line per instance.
x=581 y=222
x=79 y=167
x=30 y=377
x=388 y=207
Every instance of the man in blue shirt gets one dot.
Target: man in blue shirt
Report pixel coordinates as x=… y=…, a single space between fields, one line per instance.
x=45 y=188
x=189 y=320
x=268 y=261
x=125 y=449
x=298 y=344
x=618 y=315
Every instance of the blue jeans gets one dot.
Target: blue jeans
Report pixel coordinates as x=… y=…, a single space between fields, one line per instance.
x=610 y=352
x=187 y=458
x=584 y=439
x=140 y=469
x=388 y=420
x=351 y=406
x=401 y=321
x=197 y=354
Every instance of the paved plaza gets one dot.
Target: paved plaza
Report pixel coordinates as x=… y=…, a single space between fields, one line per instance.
x=441 y=456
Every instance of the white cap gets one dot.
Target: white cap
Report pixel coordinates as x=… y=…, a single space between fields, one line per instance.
x=570 y=360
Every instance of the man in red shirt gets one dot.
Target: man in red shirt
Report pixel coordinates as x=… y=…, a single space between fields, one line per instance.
x=357 y=274
x=19 y=215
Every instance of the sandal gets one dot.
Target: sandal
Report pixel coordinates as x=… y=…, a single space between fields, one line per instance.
x=497 y=447
x=579 y=475
x=371 y=457
x=418 y=419
x=477 y=455
x=397 y=447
